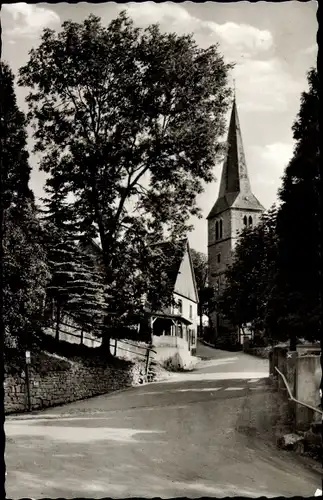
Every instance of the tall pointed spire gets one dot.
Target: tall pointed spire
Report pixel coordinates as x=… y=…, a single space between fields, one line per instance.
x=235 y=190
x=235 y=177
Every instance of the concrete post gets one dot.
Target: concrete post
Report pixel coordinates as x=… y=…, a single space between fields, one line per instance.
x=306 y=389
x=281 y=365
x=290 y=368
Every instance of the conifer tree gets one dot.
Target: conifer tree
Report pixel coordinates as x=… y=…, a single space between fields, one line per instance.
x=299 y=223
x=23 y=259
x=77 y=285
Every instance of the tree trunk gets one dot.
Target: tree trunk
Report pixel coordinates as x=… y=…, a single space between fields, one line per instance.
x=58 y=320
x=292 y=341
x=106 y=336
x=105 y=346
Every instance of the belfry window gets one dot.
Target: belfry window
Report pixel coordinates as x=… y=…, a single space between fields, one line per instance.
x=250 y=221
x=221 y=228
x=217 y=230
x=245 y=220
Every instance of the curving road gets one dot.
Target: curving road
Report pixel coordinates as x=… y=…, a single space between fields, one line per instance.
x=205 y=433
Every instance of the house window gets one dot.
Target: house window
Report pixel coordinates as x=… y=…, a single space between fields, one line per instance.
x=250 y=221
x=221 y=228
x=245 y=220
x=217 y=230
x=191 y=312
x=180 y=307
x=219 y=257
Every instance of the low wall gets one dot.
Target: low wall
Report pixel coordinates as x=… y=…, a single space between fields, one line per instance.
x=169 y=341
x=74 y=381
x=172 y=352
x=167 y=346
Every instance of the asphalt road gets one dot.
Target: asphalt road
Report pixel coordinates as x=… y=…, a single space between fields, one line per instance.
x=205 y=433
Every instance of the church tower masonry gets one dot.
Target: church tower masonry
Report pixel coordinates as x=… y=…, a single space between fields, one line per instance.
x=235 y=208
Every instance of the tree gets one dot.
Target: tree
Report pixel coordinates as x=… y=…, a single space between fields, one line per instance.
x=76 y=286
x=23 y=268
x=15 y=170
x=299 y=222
x=200 y=266
x=250 y=295
x=199 y=261
x=128 y=121
x=25 y=274
x=275 y=279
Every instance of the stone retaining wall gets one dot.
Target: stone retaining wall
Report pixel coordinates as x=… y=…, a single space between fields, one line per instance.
x=77 y=381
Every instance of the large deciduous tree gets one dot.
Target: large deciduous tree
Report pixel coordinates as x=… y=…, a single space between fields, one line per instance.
x=129 y=122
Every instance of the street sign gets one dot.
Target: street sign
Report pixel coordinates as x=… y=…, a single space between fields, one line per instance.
x=28 y=357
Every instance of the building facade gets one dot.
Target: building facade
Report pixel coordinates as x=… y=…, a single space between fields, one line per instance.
x=235 y=208
x=181 y=320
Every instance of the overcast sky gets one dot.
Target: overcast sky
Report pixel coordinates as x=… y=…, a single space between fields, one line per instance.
x=272 y=44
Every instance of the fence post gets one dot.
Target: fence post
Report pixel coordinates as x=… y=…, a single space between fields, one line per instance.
x=115 y=347
x=27 y=355
x=147 y=361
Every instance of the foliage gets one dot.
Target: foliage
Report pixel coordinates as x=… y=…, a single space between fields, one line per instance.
x=205 y=293
x=299 y=221
x=25 y=273
x=15 y=169
x=250 y=292
x=23 y=259
x=77 y=284
x=199 y=261
x=128 y=121
x=274 y=282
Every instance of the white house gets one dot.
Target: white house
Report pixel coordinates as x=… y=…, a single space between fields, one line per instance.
x=182 y=320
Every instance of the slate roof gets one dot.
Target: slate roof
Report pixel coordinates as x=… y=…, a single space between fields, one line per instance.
x=236 y=200
x=235 y=190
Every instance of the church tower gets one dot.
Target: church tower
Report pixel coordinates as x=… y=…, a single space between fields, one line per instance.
x=235 y=208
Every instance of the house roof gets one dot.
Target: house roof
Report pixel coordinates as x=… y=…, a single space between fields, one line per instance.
x=174 y=253
x=173 y=270
x=174 y=261
x=169 y=316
